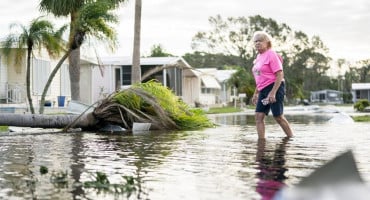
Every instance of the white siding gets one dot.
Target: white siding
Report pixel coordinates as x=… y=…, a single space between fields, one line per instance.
x=102 y=84
x=191 y=92
x=40 y=74
x=3 y=79
x=207 y=99
x=65 y=83
x=96 y=83
x=17 y=82
x=85 y=84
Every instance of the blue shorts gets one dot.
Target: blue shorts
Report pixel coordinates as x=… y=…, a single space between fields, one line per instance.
x=276 y=108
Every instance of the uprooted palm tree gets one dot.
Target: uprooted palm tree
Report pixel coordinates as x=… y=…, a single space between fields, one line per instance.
x=39 y=34
x=153 y=103
x=149 y=102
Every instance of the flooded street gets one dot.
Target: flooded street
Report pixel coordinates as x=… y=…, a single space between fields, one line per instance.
x=226 y=162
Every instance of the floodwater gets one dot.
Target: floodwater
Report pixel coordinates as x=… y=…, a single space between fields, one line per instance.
x=226 y=162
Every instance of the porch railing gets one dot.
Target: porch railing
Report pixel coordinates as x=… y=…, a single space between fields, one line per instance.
x=15 y=93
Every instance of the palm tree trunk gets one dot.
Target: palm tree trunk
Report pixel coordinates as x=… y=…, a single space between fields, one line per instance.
x=28 y=80
x=74 y=59
x=74 y=74
x=86 y=121
x=136 y=70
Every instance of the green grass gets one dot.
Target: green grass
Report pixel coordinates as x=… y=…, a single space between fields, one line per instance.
x=3 y=128
x=363 y=118
x=223 y=110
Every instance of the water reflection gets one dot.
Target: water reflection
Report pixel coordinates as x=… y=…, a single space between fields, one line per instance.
x=77 y=165
x=243 y=119
x=271 y=166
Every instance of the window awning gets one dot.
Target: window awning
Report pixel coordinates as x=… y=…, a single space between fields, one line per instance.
x=210 y=82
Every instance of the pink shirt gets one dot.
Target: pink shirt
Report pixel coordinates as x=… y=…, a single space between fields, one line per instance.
x=265 y=67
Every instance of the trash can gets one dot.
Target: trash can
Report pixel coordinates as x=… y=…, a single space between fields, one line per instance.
x=61 y=100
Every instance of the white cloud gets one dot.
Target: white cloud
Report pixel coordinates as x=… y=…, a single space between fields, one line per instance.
x=341 y=24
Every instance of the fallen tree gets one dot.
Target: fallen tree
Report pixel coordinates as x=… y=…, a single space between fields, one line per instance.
x=148 y=102
x=47 y=121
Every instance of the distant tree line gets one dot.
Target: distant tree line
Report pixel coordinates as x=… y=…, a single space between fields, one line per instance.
x=306 y=62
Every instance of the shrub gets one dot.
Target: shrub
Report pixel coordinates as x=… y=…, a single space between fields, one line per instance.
x=361 y=104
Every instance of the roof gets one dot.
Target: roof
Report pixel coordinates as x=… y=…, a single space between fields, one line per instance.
x=205 y=71
x=220 y=75
x=360 y=86
x=224 y=75
x=89 y=60
x=145 y=61
x=210 y=82
x=208 y=77
x=325 y=91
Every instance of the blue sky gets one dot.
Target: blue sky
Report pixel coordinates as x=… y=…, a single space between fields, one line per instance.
x=343 y=25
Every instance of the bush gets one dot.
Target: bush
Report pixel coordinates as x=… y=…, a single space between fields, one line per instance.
x=361 y=104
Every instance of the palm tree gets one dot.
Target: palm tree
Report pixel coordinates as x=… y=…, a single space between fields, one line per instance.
x=40 y=34
x=73 y=8
x=136 y=70
x=92 y=21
